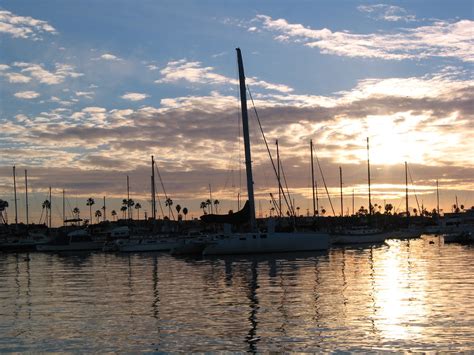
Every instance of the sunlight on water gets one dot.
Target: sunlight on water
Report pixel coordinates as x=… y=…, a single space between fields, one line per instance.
x=415 y=294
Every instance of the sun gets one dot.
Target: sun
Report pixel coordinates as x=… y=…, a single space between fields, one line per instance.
x=393 y=140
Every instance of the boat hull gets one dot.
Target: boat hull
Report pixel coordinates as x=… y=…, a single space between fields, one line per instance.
x=151 y=245
x=256 y=243
x=339 y=239
x=79 y=246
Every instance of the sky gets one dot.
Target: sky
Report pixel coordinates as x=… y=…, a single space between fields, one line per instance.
x=89 y=90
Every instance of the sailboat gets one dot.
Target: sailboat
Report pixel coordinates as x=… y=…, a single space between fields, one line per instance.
x=255 y=241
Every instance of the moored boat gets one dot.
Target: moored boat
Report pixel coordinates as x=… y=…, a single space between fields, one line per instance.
x=78 y=240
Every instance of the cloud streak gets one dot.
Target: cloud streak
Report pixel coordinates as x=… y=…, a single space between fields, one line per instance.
x=24 y=26
x=440 y=39
x=193 y=72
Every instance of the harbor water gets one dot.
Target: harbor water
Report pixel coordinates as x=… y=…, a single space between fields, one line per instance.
x=402 y=295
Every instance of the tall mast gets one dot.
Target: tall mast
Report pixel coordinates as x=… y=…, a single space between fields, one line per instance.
x=14 y=193
x=353 y=211
x=437 y=196
x=26 y=198
x=368 y=175
x=153 y=187
x=245 y=127
x=64 y=208
x=128 y=198
x=279 y=179
x=342 y=198
x=50 y=207
x=105 y=210
x=312 y=177
x=406 y=193
x=210 y=198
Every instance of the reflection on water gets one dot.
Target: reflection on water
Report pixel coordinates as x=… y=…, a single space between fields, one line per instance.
x=415 y=294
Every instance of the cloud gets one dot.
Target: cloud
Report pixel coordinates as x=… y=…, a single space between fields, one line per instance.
x=108 y=56
x=85 y=94
x=27 y=95
x=195 y=73
x=4 y=67
x=23 y=27
x=440 y=39
x=36 y=71
x=134 y=96
x=17 y=78
x=386 y=12
x=425 y=120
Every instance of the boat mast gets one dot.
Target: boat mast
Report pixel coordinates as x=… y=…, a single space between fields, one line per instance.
x=153 y=188
x=342 y=198
x=26 y=198
x=50 y=207
x=14 y=193
x=64 y=208
x=278 y=177
x=437 y=196
x=128 y=198
x=406 y=193
x=105 y=210
x=353 y=211
x=368 y=175
x=245 y=127
x=312 y=178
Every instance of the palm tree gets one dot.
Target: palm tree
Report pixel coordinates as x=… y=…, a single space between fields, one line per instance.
x=203 y=206
x=169 y=203
x=137 y=207
x=298 y=209
x=46 y=206
x=76 y=212
x=208 y=204
x=185 y=212
x=123 y=209
x=178 y=208
x=216 y=203
x=114 y=214
x=98 y=214
x=90 y=202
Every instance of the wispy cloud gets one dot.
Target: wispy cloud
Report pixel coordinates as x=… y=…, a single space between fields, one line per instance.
x=27 y=95
x=36 y=71
x=134 y=96
x=23 y=26
x=440 y=39
x=194 y=72
x=387 y=12
x=85 y=94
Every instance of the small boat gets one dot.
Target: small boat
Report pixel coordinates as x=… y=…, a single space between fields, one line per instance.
x=459 y=237
x=192 y=244
x=25 y=243
x=360 y=235
x=78 y=240
x=147 y=244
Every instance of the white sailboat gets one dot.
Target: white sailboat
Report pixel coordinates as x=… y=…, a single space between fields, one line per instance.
x=256 y=241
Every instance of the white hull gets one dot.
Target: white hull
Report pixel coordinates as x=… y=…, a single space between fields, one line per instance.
x=254 y=243
x=79 y=246
x=148 y=245
x=360 y=238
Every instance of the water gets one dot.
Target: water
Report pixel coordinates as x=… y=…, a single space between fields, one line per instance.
x=416 y=294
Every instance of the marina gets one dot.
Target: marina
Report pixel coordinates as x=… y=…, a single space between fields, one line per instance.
x=403 y=294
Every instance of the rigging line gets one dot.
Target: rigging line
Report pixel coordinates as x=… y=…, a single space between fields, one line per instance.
x=324 y=182
x=268 y=150
x=274 y=204
x=164 y=191
x=413 y=189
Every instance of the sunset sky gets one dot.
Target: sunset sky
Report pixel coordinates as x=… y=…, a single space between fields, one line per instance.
x=89 y=90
